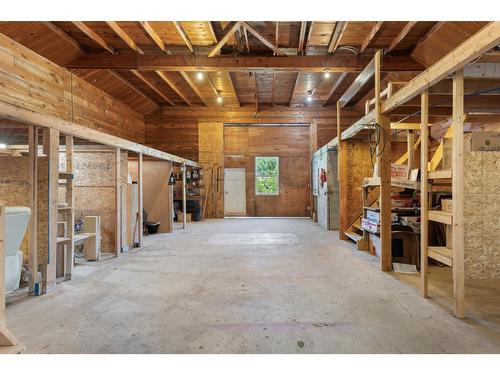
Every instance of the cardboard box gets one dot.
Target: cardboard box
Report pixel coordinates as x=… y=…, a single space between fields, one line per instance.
x=369 y=226
x=180 y=217
x=401 y=202
x=374 y=217
x=399 y=171
x=475 y=141
x=447 y=205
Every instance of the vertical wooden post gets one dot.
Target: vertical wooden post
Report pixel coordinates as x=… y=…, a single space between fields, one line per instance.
x=33 y=228
x=184 y=210
x=410 y=141
x=313 y=145
x=52 y=147
x=424 y=193
x=458 y=193
x=118 y=203
x=384 y=165
x=2 y=264
x=70 y=216
x=342 y=177
x=140 y=192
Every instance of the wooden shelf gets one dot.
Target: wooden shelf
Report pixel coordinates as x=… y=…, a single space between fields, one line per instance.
x=407 y=184
x=353 y=236
x=64 y=209
x=65 y=175
x=441 y=254
x=394 y=209
x=441 y=174
x=63 y=239
x=441 y=217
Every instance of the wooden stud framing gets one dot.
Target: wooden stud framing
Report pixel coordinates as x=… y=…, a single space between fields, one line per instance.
x=225 y=38
x=33 y=228
x=403 y=33
x=94 y=36
x=302 y=36
x=266 y=42
x=410 y=143
x=212 y=31
x=342 y=177
x=247 y=45
x=337 y=35
x=152 y=87
x=154 y=35
x=124 y=36
x=183 y=35
x=424 y=193
x=184 y=209
x=458 y=193
x=69 y=254
x=140 y=194
x=173 y=86
x=118 y=203
x=375 y=29
x=277 y=35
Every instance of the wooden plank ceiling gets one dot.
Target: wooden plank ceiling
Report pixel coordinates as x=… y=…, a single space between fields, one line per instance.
x=235 y=81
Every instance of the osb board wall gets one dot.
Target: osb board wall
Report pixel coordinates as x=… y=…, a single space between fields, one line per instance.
x=358 y=167
x=14 y=191
x=481 y=214
x=175 y=130
x=291 y=144
x=94 y=190
x=30 y=81
x=158 y=194
x=211 y=158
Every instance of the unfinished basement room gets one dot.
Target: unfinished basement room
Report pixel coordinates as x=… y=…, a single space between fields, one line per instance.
x=272 y=186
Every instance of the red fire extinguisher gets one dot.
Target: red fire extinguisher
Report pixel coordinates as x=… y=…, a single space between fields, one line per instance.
x=322 y=177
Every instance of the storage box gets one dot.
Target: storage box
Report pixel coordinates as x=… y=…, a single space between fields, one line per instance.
x=400 y=171
x=447 y=205
x=374 y=216
x=369 y=226
x=180 y=217
x=401 y=202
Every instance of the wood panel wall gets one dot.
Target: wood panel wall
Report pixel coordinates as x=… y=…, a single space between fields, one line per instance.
x=32 y=82
x=175 y=130
x=291 y=144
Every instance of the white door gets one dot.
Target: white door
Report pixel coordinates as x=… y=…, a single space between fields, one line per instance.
x=235 y=192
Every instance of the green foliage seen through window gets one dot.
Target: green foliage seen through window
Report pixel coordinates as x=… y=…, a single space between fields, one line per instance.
x=267 y=175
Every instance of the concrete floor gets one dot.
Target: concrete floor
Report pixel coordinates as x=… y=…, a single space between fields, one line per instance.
x=243 y=286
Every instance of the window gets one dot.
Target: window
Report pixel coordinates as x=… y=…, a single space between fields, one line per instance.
x=267 y=175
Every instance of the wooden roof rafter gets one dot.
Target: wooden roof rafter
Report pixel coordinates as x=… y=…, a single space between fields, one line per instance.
x=337 y=34
x=277 y=34
x=124 y=36
x=335 y=87
x=63 y=35
x=294 y=88
x=133 y=87
x=212 y=31
x=272 y=89
x=245 y=34
x=193 y=87
x=402 y=34
x=183 y=35
x=230 y=32
x=233 y=88
x=152 y=87
x=173 y=86
x=154 y=35
x=94 y=36
x=260 y=37
x=431 y=32
x=375 y=29
x=302 y=36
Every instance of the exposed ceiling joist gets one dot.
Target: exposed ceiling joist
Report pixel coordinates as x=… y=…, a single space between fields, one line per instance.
x=335 y=86
x=64 y=35
x=302 y=37
x=124 y=36
x=311 y=25
x=173 y=86
x=131 y=86
x=277 y=35
x=247 y=45
x=266 y=42
x=311 y=63
x=94 y=36
x=402 y=34
x=225 y=38
x=375 y=29
x=212 y=31
x=193 y=86
x=294 y=88
x=183 y=35
x=154 y=35
x=435 y=28
x=272 y=89
x=152 y=87
x=233 y=88
x=336 y=36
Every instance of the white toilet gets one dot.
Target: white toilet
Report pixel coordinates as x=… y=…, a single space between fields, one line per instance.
x=16 y=222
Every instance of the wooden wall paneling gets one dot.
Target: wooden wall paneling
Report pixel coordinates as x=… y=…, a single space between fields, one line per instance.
x=313 y=146
x=342 y=177
x=33 y=194
x=118 y=202
x=140 y=193
x=158 y=194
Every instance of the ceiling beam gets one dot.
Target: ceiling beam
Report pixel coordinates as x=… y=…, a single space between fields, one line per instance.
x=172 y=85
x=277 y=34
x=153 y=35
x=94 y=36
x=266 y=42
x=335 y=86
x=183 y=35
x=311 y=24
x=124 y=36
x=133 y=87
x=193 y=86
x=337 y=34
x=294 y=88
x=212 y=85
x=247 y=45
x=233 y=88
x=402 y=34
x=188 y=62
x=152 y=87
x=272 y=89
x=360 y=81
x=375 y=29
x=256 y=93
x=64 y=35
x=484 y=40
x=302 y=36
x=212 y=31
x=225 y=38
